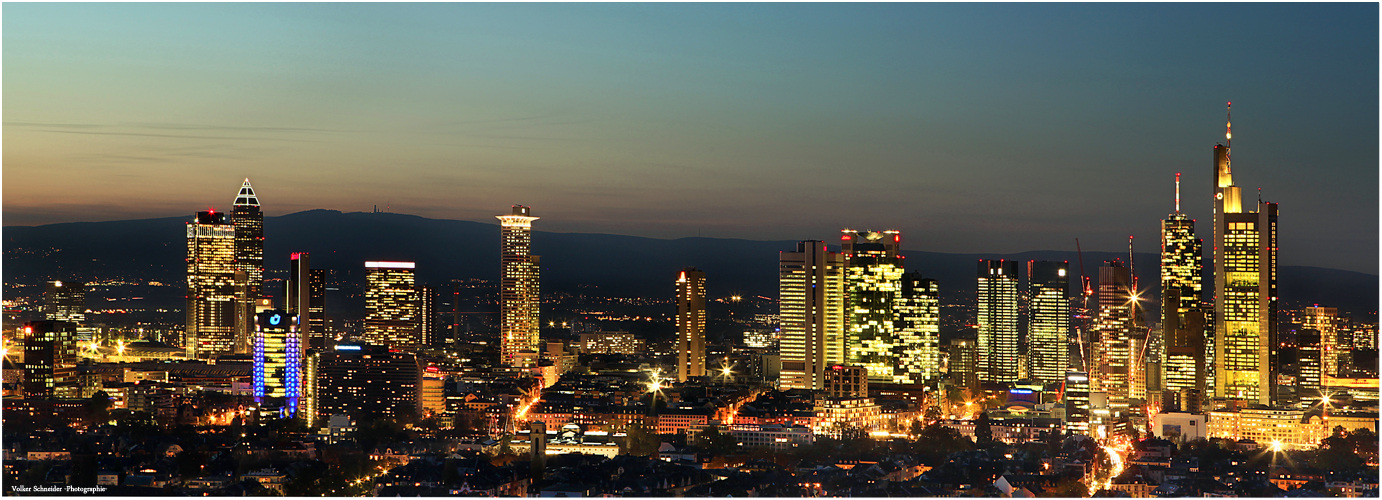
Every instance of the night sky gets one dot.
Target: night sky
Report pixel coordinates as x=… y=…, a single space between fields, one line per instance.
x=969 y=127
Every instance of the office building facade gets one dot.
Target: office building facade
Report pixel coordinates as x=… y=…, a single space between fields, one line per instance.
x=917 y=334
x=518 y=287
x=873 y=285
x=1187 y=344
x=998 y=310
x=248 y=221
x=297 y=296
x=1245 y=296
x=1048 y=320
x=812 y=314
x=690 y=324
x=50 y=360
x=65 y=301
x=211 y=299
x=1114 y=348
x=278 y=353
x=358 y=379
x=391 y=304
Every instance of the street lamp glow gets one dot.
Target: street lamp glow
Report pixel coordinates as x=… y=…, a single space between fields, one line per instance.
x=1276 y=445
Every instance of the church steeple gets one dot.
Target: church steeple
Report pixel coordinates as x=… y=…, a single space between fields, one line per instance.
x=246 y=198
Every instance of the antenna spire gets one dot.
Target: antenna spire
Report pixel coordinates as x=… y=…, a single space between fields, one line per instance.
x=1228 y=135
x=1177 y=192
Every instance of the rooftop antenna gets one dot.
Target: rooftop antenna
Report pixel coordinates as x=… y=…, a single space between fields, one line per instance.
x=1228 y=137
x=1177 y=192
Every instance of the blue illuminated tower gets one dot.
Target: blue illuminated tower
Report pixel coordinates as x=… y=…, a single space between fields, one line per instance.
x=277 y=360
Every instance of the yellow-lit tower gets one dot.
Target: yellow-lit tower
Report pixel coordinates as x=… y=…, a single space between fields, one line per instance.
x=518 y=286
x=391 y=305
x=1182 y=315
x=690 y=324
x=248 y=220
x=811 y=298
x=1245 y=301
x=873 y=285
x=998 y=333
x=1048 y=320
x=210 y=286
x=918 y=334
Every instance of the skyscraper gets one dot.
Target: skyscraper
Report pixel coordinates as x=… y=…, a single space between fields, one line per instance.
x=391 y=305
x=1309 y=377
x=359 y=379
x=211 y=301
x=65 y=301
x=1076 y=399
x=249 y=258
x=277 y=360
x=811 y=298
x=298 y=297
x=426 y=317
x=518 y=286
x=50 y=360
x=1245 y=300
x=1325 y=321
x=690 y=324
x=998 y=334
x=917 y=334
x=1048 y=320
x=1183 y=319
x=873 y=281
x=316 y=307
x=964 y=363
x=1114 y=348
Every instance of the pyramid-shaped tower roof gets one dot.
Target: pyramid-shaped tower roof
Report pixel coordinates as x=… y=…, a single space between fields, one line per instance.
x=246 y=198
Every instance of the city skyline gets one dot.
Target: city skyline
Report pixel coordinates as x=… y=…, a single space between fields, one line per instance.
x=972 y=142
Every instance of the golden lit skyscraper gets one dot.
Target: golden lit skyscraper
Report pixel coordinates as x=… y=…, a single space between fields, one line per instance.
x=873 y=282
x=918 y=331
x=1114 y=348
x=1325 y=320
x=277 y=359
x=1245 y=301
x=210 y=286
x=1048 y=320
x=811 y=296
x=391 y=305
x=998 y=333
x=690 y=324
x=249 y=258
x=518 y=286
x=65 y=301
x=1182 y=315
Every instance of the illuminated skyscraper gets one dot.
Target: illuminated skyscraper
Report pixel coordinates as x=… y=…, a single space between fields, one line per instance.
x=65 y=301
x=358 y=379
x=1076 y=399
x=1325 y=321
x=1183 y=319
x=391 y=305
x=1048 y=320
x=277 y=360
x=298 y=297
x=811 y=296
x=1245 y=300
x=1114 y=347
x=518 y=286
x=964 y=363
x=50 y=360
x=690 y=324
x=210 y=286
x=873 y=281
x=998 y=333
x=1309 y=377
x=316 y=306
x=427 y=316
x=917 y=335
x=249 y=258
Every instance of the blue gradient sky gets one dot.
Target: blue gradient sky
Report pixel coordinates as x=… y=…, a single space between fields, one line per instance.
x=971 y=128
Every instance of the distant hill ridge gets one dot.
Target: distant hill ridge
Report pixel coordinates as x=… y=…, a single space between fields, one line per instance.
x=616 y=264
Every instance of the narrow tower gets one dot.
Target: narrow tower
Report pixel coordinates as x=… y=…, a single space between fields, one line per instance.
x=518 y=287
x=873 y=286
x=248 y=221
x=998 y=334
x=1048 y=320
x=1182 y=316
x=690 y=324
x=211 y=301
x=811 y=298
x=1245 y=301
